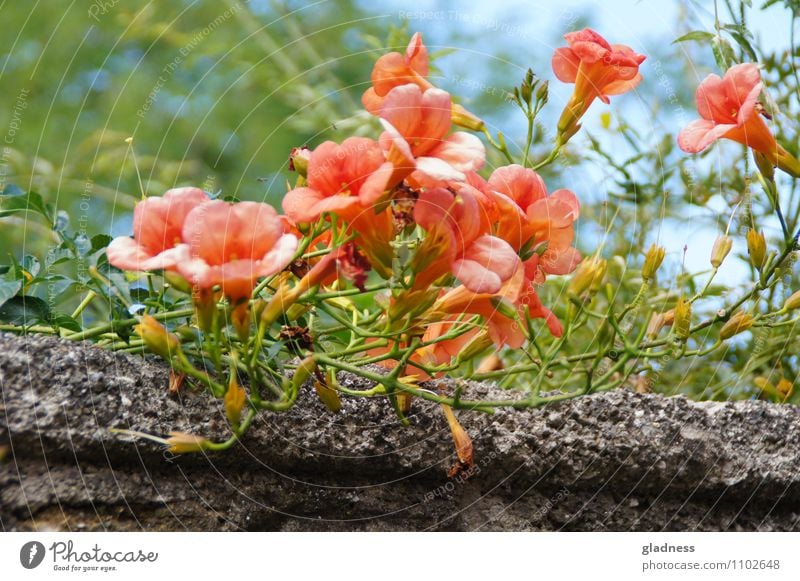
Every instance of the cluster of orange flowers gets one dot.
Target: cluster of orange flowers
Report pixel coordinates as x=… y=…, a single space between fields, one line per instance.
x=483 y=246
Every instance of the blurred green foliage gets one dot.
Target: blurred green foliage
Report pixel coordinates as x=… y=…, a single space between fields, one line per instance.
x=214 y=94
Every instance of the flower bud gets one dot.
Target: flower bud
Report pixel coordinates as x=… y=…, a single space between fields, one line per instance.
x=491 y=363
x=235 y=398
x=463 y=118
x=182 y=443
x=240 y=319
x=205 y=306
x=738 y=323
x=528 y=84
x=298 y=160
x=653 y=259
x=756 y=248
x=543 y=93
x=764 y=384
x=655 y=325
x=722 y=246
x=765 y=166
x=328 y=393
x=177 y=282
x=599 y=275
x=588 y=276
x=785 y=388
x=477 y=345
x=793 y=302
x=303 y=372
x=157 y=338
x=505 y=307
x=403 y=401
x=460 y=437
x=682 y=323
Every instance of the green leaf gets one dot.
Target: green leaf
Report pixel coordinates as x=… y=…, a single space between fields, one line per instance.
x=8 y=289
x=723 y=53
x=100 y=241
x=16 y=203
x=66 y=322
x=743 y=42
x=698 y=35
x=25 y=310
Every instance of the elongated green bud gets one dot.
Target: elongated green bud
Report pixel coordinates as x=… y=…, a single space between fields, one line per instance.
x=303 y=372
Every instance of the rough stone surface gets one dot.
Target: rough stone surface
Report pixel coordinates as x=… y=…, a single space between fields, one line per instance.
x=614 y=461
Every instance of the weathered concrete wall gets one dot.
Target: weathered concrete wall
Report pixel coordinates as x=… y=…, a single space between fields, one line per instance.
x=615 y=461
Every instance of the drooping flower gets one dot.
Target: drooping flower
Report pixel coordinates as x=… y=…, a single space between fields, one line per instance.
x=598 y=69
x=232 y=245
x=729 y=109
x=417 y=125
x=157 y=231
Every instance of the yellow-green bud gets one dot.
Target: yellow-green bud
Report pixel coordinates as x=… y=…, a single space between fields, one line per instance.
x=682 y=322
x=461 y=117
x=653 y=259
x=303 y=372
x=157 y=338
x=328 y=393
x=177 y=282
x=235 y=398
x=588 y=276
x=601 y=267
x=738 y=323
x=793 y=302
x=182 y=443
x=298 y=160
x=722 y=246
x=504 y=307
x=477 y=345
x=756 y=248
x=765 y=166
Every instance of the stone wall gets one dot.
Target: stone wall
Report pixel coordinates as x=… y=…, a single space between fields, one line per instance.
x=613 y=461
